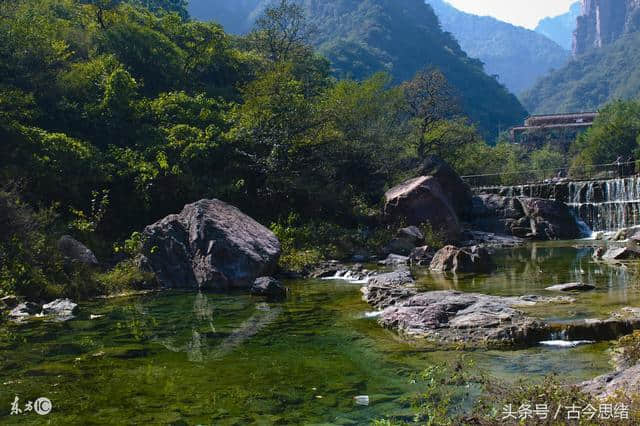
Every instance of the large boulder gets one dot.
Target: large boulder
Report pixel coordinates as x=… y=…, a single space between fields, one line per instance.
x=453 y=187
x=451 y=317
x=210 y=245
x=422 y=200
x=533 y=218
x=74 y=251
x=468 y=260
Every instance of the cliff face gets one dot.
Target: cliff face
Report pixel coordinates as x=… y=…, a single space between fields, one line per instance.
x=604 y=21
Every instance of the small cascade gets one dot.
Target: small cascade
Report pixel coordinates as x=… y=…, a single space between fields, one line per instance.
x=606 y=205
x=599 y=205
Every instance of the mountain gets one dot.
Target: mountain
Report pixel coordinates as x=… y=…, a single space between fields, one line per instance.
x=517 y=55
x=361 y=37
x=603 y=22
x=605 y=66
x=590 y=80
x=560 y=28
x=236 y=16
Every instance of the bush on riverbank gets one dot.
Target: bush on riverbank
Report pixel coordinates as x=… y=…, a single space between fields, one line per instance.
x=458 y=393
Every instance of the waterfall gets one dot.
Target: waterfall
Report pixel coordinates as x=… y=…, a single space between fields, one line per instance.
x=599 y=205
x=607 y=205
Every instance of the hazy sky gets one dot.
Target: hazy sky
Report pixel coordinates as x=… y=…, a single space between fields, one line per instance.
x=526 y=13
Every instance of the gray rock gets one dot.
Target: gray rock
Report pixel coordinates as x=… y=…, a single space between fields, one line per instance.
x=394 y=260
x=471 y=260
x=571 y=287
x=63 y=308
x=269 y=287
x=388 y=289
x=474 y=319
x=620 y=253
x=9 y=302
x=599 y=253
x=532 y=218
x=210 y=245
x=24 y=310
x=421 y=256
x=626 y=381
x=405 y=241
x=75 y=251
x=422 y=200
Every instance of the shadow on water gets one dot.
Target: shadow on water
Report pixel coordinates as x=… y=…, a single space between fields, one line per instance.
x=233 y=359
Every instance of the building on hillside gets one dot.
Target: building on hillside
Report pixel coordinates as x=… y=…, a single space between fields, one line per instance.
x=557 y=129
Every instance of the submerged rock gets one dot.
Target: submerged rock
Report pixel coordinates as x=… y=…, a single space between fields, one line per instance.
x=469 y=260
x=74 y=251
x=571 y=287
x=210 y=245
x=269 y=287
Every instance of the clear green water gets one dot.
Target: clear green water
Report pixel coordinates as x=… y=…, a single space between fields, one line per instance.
x=232 y=359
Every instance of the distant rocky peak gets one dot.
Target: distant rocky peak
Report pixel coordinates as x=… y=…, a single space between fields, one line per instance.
x=604 y=21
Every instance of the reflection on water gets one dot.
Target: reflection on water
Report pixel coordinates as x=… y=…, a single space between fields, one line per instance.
x=233 y=359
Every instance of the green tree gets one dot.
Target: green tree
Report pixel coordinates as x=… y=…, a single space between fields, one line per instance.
x=613 y=135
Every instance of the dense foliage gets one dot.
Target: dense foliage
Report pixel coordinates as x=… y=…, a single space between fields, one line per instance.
x=113 y=116
x=361 y=38
x=516 y=55
x=615 y=135
x=591 y=80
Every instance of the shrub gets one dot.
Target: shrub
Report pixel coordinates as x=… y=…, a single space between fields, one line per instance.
x=126 y=275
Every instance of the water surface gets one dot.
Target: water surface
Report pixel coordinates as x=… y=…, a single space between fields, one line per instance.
x=232 y=359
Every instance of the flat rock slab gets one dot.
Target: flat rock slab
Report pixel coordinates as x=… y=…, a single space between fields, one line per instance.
x=477 y=320
x=605 y=386
x=571 y=287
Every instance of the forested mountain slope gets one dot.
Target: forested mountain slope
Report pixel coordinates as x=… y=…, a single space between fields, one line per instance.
x=590 y=80
x=401 y=37
x=517 y=55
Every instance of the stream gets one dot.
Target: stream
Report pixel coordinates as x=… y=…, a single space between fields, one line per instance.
x=184 y=358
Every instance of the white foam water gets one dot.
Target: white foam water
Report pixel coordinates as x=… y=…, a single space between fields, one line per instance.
x=348 y=277
x=373 y=314
x=566 y=343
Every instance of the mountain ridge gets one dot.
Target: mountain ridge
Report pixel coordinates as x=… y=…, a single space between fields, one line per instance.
x=402 y=37
x=517 y=55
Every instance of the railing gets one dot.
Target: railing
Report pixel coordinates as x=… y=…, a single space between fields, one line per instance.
x=546 y=176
